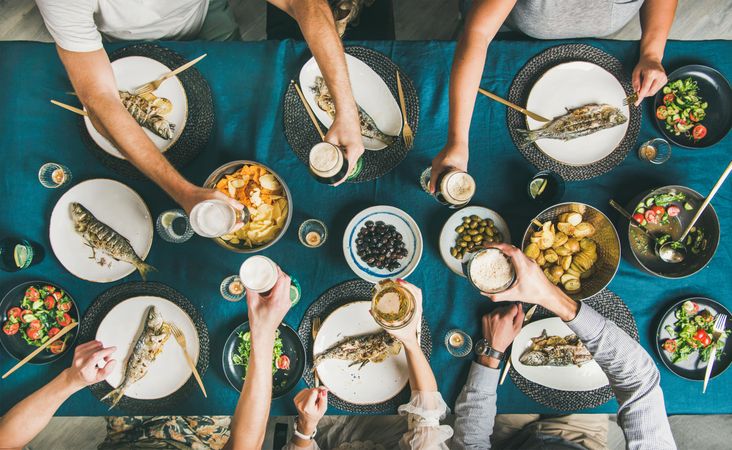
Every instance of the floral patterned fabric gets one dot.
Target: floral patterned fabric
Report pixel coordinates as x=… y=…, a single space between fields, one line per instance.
x=167 y=432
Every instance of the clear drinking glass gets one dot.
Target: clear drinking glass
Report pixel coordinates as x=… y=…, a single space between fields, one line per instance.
x=458 y=343
x=232 y=289
x=655 y=151
x=312 y=233
x=53 y=175
x=173 y=226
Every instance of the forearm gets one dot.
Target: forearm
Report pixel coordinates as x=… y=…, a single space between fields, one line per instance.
x=475 y=409
x=421 y=377
x=656 y=17
x=252 y=411
x=29 y=417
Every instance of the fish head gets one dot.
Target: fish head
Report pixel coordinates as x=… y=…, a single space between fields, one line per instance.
x=154 y=318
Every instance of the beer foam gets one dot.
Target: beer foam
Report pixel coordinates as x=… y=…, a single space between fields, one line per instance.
x=490 y=270
x=325 y=159
x=212 y=218
x=459 y=186
x=258 y=273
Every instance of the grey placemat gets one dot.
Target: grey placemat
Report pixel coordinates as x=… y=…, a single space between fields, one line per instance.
x=301 y=134
x=339 y=295
x=609 y=305
x=519 y=94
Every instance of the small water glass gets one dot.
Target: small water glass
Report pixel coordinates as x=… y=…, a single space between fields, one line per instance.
x=463 y=348
x=662 y=151
x=232 y=289
x=173 y=226
x=309 y=227
x=53 y=175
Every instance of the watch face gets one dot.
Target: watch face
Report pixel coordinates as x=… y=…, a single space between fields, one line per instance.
x=481 y=347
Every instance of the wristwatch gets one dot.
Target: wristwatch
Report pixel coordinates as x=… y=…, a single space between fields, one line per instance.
x=482 y=348
x=304 y=436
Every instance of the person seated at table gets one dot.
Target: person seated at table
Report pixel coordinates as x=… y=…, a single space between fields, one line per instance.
x=633 y=377
x=545 y=19
x=421 y=430
x=78 y=27
x=92 y=363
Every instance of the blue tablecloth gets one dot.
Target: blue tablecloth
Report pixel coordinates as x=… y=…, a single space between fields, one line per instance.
x=248 y=81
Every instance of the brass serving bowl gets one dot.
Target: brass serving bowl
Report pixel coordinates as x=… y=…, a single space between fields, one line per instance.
x=646 y=257
x=606 y=238
x=228 y=169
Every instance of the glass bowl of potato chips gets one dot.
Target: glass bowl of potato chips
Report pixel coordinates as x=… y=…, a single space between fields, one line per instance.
x=264 y=194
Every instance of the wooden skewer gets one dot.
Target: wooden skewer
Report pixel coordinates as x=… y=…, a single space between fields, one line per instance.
x=310 y=111
x=73 y=109
x=65 y=330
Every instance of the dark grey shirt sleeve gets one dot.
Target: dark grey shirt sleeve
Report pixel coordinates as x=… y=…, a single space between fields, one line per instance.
x=633 y=376
x=475 y=409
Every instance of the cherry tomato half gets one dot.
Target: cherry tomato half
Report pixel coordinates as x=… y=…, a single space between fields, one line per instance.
x=32 y=294
x=699 y=132
x=14 y=312
x=35 y=325
x=638 y=217
x=58 y=295
x=11 y=328
x=57 y=347
x=703 y=337
x=64 y=306
x=283 y=362
x=49 y=301
x=53 y=332
x=673 y=210
x=658 y=210
x=670 y=345
x=668 y=98
x=651 y=216
x=49 y=288
x=661 y=113
x=64 y=320
x=33 y=334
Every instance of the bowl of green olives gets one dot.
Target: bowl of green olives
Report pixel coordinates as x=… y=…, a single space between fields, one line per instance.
x=469 y=230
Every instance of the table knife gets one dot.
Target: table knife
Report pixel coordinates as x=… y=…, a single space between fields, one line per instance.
x=507 y=367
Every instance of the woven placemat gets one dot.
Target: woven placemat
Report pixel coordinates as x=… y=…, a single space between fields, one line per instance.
x=519 y=94
x=335 y=297
x=199 y=122
x=117 y=294
x=301 y=134
x=608 y=304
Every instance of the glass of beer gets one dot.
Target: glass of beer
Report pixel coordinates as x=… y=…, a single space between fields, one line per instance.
x=392 y=305
x=215 y=218
x=489 y=270
x=328 y=163
x=454 y=187
x=259 y=274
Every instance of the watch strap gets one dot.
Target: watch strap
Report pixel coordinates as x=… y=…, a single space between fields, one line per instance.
x=482 y=348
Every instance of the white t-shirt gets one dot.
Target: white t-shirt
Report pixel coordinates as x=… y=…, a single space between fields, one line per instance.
x=78 y=25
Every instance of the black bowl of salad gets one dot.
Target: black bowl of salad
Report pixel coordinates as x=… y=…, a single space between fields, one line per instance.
x=288 y=359
x=694 y=109
x=32 y=313
x=684 y=338
x=665 y=212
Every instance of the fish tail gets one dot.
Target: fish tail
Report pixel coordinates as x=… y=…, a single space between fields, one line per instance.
x=144 y=268
x=116 y=395
x=527 y=137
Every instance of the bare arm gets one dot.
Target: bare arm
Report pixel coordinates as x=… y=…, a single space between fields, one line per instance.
x=656 y=18
x=93 y=80
x=29 y=417
x=482 y=24
x=318 y=27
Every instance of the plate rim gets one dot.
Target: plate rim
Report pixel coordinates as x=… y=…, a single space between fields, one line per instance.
x=142 y=201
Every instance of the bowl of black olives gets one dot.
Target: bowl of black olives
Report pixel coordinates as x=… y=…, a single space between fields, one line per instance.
x=382 y=242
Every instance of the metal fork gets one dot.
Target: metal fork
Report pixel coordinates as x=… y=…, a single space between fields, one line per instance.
x=719 y=324
x=153 y=85
x=315 y=329
x=407 y=133
x=182 y=342
x=631 y=99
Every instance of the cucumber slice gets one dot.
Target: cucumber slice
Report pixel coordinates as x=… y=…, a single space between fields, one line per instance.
x=650 y=202
x=688 y=206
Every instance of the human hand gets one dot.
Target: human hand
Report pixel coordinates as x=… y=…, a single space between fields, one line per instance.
x=533 y=286
x=194 y=195
x=451 y=156
x=501 y=326
x=345 y=132
x=648 y=77
x=311 y=405
x=408 y=334
x=92 y=363
x=266 y=312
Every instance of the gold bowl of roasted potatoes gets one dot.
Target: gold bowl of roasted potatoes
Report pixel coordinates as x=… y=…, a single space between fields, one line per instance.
x=264 y=194
x=577 y=247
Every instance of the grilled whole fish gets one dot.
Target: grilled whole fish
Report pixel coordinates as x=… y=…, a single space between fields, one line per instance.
x=555 y=351
x=363 y=349
x=100 y=236
x=149 y=344
x=147 y=114
x=577 y=122
x=368 y=126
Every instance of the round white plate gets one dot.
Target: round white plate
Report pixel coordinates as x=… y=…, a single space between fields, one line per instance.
x=588 y=377
x=403 y=223
x=369 y=91
x=133 y=71
x=448 y=233
x=571 y=85
x=116 y=205
x=170 y=371
x=374 y=382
